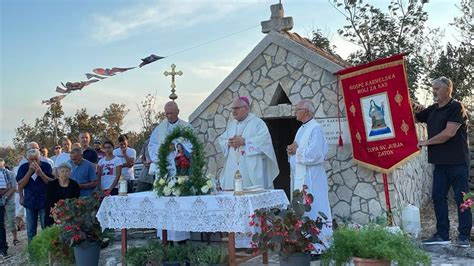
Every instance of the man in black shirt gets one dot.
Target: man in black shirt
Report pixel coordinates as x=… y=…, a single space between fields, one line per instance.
x=448 y=151
x=87 y=152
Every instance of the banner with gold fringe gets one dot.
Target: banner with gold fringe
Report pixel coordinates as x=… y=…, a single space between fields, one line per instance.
x=379 y=113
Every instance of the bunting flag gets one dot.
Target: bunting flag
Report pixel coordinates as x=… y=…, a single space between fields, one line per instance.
x=53 y=100
x=150 y=59
x=74 y=86
x=99 y=74
x=89 y=76
x=379 y=113
x=111 y=72
x=61 y=90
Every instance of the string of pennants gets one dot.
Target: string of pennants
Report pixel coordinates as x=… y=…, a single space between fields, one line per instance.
x=97 y=75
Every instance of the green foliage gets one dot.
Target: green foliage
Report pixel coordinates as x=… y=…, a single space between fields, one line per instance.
x=382 y=34
x=152 y=254
x=192 y=184
x=212 y=254
x=287 y=231
x=48 y=242
x=105 y=126
x=9 y=155
x=321 y=41
x=457 y=64
x=175 y=253
x=457 y=61
x=373 y=242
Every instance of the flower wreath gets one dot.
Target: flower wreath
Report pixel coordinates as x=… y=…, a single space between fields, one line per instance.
x=194 y=184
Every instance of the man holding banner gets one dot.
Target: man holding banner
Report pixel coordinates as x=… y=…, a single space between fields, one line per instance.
x=448 y=151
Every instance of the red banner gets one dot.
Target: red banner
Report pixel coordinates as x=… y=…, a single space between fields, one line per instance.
x=379 y=113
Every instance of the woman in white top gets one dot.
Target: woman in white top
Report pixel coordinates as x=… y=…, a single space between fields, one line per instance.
x=109 y=169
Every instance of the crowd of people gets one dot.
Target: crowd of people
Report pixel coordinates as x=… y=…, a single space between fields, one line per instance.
x=78 y=169
x=29 y=190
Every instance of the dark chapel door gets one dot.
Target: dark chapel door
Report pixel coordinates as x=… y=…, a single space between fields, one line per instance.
x=283 y=131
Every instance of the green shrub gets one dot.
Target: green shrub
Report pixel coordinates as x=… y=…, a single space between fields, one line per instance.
x=210 y=255
x=373 y=242
x=152 y=254
x=49 y=241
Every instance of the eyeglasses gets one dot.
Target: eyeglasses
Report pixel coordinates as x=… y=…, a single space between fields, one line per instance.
x=301 y=109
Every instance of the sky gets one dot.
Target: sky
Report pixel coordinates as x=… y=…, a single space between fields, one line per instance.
x=44 y=43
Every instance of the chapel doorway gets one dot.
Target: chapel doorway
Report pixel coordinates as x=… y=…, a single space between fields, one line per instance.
x=283 y=131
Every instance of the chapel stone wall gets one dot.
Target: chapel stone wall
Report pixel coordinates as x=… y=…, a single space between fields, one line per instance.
x=355 y=192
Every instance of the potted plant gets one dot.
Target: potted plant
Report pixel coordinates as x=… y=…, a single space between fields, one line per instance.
x=48 y=248
x=80 y=227
x=288 y=231
x=174 y=255
x=150 y=255
x=211 y=255
x=373 y=244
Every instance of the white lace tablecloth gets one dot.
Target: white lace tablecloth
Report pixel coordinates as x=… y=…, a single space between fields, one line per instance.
x=223 y=212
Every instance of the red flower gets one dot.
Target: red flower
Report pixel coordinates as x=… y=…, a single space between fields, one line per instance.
x=76 y=238
x=298 y=224
x=309 y=247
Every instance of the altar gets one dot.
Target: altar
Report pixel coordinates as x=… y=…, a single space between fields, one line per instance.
x=222 y=212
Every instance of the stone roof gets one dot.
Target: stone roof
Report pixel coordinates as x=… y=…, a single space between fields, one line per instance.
x=290 y=41
x=307 y=43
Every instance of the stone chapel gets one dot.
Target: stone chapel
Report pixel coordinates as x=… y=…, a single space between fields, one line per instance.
x=282 y=69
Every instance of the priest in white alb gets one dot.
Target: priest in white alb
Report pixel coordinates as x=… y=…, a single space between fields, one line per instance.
x=247 y=147
x=306 y=155
x=156 y=139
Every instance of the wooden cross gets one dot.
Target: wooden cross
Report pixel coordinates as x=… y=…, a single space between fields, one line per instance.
x=173 y=73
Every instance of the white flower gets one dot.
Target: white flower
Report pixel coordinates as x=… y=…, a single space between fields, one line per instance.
x=167 y=191
x=162 y=181
x=209 y=183
x=176 y=192
x=205 y=189
x=172 y=183
x=181 y=180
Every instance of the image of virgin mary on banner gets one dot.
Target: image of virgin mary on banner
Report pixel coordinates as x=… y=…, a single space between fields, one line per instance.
x=379 y=113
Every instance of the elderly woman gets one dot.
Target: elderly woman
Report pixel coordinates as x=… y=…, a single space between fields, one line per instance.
x=61 y=188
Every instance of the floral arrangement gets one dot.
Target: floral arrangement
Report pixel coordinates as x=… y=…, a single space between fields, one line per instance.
x=287 y=231
x=77 y=219
x=184 y=186
x=468 y=201
x=190 y=181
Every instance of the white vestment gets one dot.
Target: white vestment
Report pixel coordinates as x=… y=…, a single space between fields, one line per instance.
x=256 y=160
x=307 y=167
x=156 y=139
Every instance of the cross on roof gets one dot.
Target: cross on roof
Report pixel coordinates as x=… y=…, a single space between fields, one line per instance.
x=277 y=20
x=173 y=73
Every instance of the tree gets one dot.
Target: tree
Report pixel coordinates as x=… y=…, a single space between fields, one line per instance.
x=148 y=114
x=381 y=34
x=321 y=41
x=9 y=155
x=149 y=118
x=457 y=64
x=82 y=121
x=42 y=131
x=113 y=117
